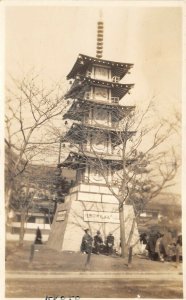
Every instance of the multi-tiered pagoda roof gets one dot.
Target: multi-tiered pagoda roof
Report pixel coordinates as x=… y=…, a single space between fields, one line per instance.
x=78 y=107
x=79 y=133
x=79 y=159
x=81 y=85
x=84 y=63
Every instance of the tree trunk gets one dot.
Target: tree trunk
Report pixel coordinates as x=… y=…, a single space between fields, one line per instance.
x=7 y=200
x=121 y=204
x=129 y=246
x=129 y=242
x=122 y=230
x=131 y=232
x=130 y=256
x=22 y=228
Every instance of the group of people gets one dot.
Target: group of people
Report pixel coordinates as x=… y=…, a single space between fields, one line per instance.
x=162 y=246
x=95 y=244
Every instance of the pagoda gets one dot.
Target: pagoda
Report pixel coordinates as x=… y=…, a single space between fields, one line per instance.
x=94 y=136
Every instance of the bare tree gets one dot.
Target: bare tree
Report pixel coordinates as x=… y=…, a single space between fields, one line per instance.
x=33 y=192
x=30 y=108
x=146 y=162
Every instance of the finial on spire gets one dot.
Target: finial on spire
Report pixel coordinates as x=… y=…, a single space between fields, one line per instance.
x=100 y=15
x=100 y=28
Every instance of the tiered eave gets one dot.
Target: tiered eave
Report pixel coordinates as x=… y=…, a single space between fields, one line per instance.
x=78 y=107
x=81 y=85
x=78 y=160
x=79 y=132
x=84 y=62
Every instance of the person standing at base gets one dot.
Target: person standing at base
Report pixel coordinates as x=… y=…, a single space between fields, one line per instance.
x=38 y=239
x=178 y=249
x=159 y=248
x=86 y=246
x=110 y=243
x=98 y=242
x=151 y=244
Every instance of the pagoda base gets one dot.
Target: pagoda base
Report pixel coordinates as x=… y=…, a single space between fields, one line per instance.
x=89 y=206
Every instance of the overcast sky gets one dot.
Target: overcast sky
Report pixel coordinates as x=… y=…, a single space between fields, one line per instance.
x=49 y=38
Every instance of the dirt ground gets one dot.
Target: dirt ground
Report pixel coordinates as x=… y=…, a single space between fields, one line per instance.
x=94 y=289
x=151 y=279
x=46 y=259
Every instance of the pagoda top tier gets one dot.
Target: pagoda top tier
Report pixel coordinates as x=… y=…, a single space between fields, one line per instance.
x=84 y=63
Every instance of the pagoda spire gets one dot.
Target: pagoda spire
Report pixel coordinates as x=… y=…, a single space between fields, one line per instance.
x=100 y=29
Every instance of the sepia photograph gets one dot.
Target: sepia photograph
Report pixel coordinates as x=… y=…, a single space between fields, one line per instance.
x=93 y=149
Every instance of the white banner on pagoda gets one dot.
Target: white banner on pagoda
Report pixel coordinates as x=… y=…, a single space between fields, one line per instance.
x=101 y=217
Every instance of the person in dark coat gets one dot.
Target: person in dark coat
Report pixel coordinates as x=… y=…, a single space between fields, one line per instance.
x=151 y=245
x=160 y=248
x=38 y=239
x=179 y=248
x=86 y=245
x=98 y=242
x=110 y=243
x=143 y=238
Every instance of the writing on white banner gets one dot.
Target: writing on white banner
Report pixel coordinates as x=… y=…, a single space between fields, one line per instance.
x=101 y=216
